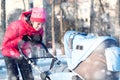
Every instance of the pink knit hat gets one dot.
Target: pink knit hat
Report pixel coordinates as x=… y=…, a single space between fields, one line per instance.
x=38 y=15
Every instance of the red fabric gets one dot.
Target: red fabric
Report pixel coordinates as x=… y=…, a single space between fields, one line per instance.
x=26 y=48
x=14 y=34
x=38 y=15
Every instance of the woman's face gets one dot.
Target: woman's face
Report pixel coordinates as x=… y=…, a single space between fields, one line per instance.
x=37 y=25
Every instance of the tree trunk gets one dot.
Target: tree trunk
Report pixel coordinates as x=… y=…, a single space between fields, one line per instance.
x=30 y=4
x=53 y=32
x=24 y=5
x=3 y=15
x=76 y=15
x=118 y=21
x=3 y=20
x=92 y=17
x=61 y=30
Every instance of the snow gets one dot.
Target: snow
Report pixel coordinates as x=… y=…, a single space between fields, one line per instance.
x=43 y=64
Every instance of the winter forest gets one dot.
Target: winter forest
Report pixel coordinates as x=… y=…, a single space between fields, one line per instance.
x=90 y=18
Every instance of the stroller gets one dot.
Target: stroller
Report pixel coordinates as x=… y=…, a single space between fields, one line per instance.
x=92 y=57
x=57 y=68
x=87 y=57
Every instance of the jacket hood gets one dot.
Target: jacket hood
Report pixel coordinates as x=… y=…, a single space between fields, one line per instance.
x=24 y=14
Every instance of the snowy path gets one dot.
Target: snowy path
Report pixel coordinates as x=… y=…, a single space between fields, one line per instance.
x=43 y=64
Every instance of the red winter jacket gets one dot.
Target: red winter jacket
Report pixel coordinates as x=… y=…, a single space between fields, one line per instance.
x=14 y=34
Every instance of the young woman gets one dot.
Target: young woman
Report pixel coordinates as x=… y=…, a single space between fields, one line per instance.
x=28 y=28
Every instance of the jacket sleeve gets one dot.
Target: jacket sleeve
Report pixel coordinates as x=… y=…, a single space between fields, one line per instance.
x=11 y=40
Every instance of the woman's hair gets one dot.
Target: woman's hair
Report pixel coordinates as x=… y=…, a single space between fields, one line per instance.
x=27 y=18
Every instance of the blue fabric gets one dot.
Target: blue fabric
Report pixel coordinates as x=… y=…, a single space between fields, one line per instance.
x=113 y=58
x=89 y=42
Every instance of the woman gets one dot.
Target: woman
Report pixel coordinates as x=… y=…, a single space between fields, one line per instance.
x=29 y=28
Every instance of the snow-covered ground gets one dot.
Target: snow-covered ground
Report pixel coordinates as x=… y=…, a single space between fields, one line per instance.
x=43 y=64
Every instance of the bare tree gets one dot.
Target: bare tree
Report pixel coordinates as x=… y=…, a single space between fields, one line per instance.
x=52 y=25
x=61 y=29
x=3 y=15
x=92 y=16
x=30 y=4
x=76 y=14
x=24 y=5
x=3 y=19
x=119 y=11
